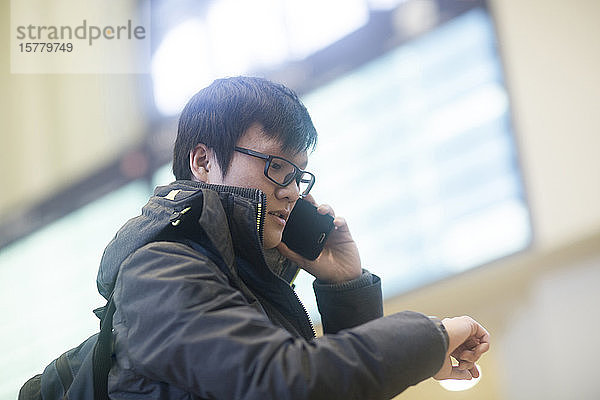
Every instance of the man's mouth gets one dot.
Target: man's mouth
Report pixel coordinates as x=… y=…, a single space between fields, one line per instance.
x=282 y=215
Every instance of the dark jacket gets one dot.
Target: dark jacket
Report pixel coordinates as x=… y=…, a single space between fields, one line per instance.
x=200 y=314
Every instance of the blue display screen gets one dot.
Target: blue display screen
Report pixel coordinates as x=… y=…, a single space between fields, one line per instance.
x=416 y=151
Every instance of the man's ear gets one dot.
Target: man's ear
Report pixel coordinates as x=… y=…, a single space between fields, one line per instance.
x=200 y=163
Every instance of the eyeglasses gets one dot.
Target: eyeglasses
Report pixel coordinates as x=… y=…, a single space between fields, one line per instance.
x=282 y=172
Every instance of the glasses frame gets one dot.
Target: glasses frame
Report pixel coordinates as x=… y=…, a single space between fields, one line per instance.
x=268 y=158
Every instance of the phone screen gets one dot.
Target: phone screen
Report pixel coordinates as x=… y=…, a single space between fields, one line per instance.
x=306 y=231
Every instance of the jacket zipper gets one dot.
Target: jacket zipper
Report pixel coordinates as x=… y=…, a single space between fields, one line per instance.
x=260 y=218
x=312 y=328
x=259 y=221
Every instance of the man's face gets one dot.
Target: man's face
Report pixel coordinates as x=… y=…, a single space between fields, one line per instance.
x=248 y=171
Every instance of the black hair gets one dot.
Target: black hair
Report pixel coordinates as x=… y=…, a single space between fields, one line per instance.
x=219 y=114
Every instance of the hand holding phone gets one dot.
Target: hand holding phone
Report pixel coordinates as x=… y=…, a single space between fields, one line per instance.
x=320 y=243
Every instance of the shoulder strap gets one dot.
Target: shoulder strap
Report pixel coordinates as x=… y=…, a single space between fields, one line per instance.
x=102 y=358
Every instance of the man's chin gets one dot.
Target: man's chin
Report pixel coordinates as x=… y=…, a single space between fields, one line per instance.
x=272 y=241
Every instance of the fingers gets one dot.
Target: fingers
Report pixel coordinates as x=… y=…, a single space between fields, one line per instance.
x=466 y=334
x=471 y=342
x=325 y=209
x=471 y=354
x=460 y=371
x=480 y=332
x=310 y=199
x=477 y=331
x=471 y=367
x=468 y=341
x=465 y=355
x=457 y=373
x=340 y=225
x=338 y=222
x=465 y=365
x=321 y=208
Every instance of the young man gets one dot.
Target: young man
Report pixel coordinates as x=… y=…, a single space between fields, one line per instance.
x=202 y=282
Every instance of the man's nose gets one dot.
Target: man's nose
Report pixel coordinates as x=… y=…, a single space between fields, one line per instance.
x=291 y=191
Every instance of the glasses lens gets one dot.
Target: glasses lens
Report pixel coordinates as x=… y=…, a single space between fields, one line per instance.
x=306 y=182
x=284 y=172
x=281 y=171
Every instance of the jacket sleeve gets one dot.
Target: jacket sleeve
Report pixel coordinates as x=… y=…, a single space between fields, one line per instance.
x=348 y=304
x=185 y=325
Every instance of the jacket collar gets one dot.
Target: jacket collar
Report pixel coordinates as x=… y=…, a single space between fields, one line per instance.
x=231 y=217
x=244 y=209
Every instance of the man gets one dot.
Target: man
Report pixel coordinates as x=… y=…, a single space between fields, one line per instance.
x=202 y=282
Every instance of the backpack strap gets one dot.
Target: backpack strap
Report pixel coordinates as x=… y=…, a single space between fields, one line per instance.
x=103 y=349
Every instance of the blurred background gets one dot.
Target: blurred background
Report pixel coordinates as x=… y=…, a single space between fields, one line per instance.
x=458 y=138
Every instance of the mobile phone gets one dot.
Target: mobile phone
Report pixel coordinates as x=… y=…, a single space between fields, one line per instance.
x=306 y=231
